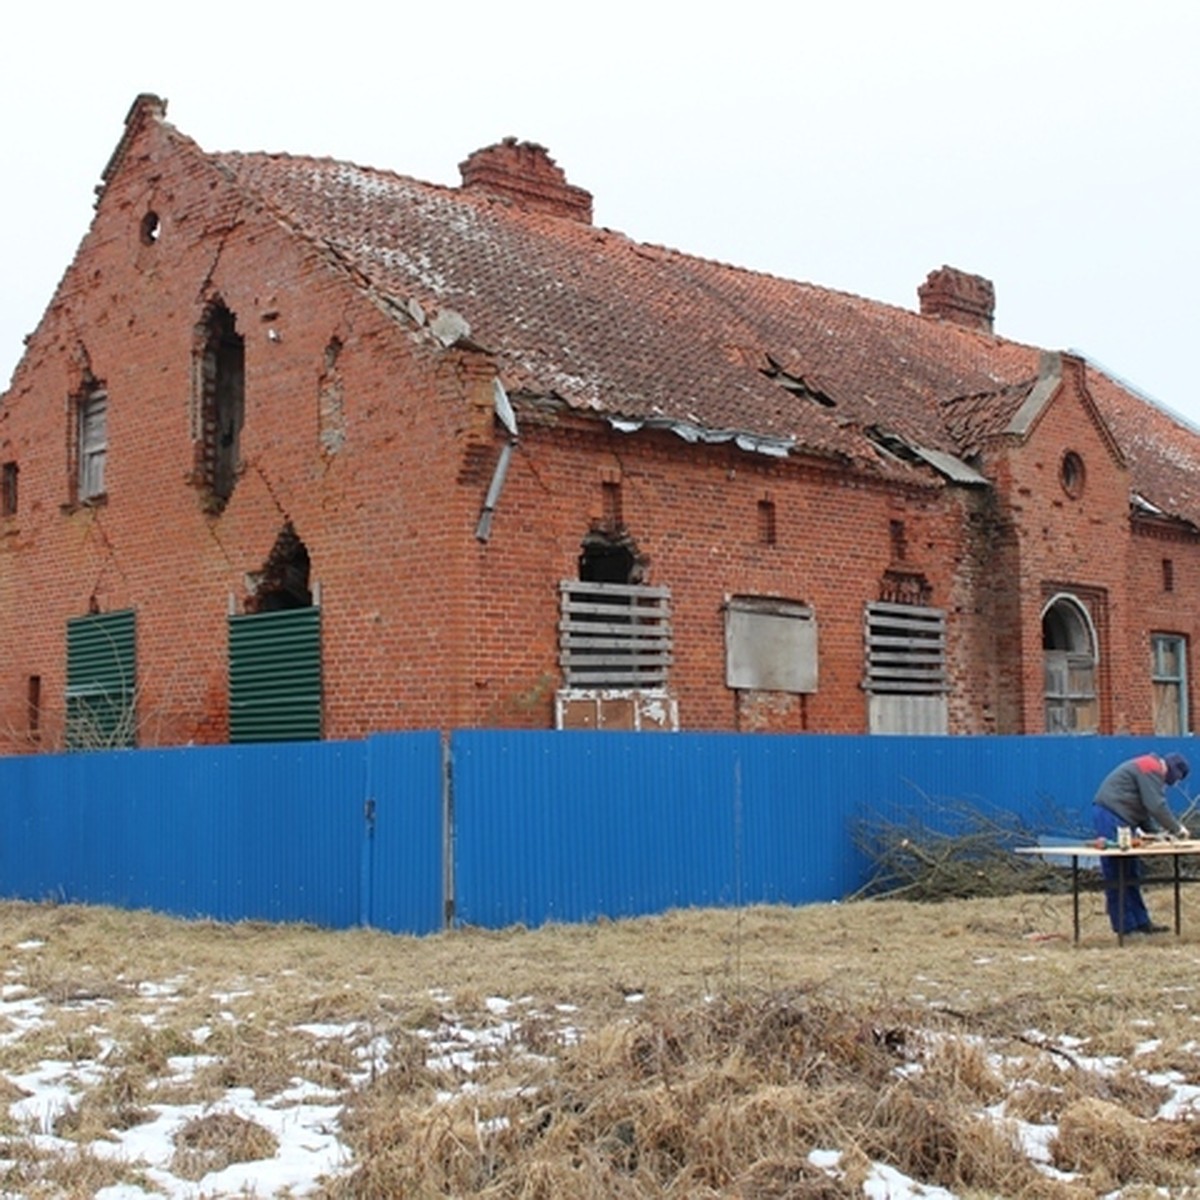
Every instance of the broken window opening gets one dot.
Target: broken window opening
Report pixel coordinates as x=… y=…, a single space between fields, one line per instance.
x=283 y=582
x=1168 y=575
x=8 y=489
x=899 y=540
x=222 y=403
x=150 y=228
x=610 y=558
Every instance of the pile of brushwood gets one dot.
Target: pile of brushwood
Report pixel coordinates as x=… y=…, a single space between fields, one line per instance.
x=956 y=850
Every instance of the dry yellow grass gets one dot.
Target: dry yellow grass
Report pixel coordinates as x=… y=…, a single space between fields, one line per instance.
x=698 y=1053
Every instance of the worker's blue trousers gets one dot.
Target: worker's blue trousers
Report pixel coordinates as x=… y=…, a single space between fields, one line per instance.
x=1105 y=822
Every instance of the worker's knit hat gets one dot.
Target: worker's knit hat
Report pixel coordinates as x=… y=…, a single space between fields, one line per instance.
x=1177 y=767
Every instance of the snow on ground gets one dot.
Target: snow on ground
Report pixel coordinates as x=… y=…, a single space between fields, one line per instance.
x=304 y=1118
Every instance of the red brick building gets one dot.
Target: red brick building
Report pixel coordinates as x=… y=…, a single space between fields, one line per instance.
x=305 y=449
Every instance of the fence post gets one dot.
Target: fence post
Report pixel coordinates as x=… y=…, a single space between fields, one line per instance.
x=448 y=894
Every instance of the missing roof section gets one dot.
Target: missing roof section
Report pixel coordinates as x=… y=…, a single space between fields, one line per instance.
x=797 y=384
x=944 y=464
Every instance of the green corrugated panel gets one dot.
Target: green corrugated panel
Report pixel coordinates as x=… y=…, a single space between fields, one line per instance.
x=275 y=676
x=101 y=681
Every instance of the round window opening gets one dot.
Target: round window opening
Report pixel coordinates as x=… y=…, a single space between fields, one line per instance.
x=1071 y=473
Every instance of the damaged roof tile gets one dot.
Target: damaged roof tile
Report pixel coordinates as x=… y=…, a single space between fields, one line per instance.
x=644 y=335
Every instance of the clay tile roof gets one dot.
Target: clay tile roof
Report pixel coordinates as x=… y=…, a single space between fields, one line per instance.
x=1162 y=449
x=971 y=420
x=645 y=334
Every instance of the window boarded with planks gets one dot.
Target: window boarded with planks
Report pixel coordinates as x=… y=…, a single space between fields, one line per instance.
x=614 y=635
x=906 y=668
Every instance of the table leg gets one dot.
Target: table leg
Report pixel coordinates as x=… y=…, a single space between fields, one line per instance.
x=1120 y=901
x=1075 y=893
x=1175 y=860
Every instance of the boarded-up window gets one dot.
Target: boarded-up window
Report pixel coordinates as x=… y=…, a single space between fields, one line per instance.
x=1168 y=672
x=770 y=645
x=101 y=682
x=614 y=635
x=631 y=710
x=275 y=676
x=906 y=668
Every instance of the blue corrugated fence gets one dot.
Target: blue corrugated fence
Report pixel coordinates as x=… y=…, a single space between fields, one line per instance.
x=408 y=832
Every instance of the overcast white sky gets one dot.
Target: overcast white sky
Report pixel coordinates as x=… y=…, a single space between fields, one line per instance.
x=1050 y=145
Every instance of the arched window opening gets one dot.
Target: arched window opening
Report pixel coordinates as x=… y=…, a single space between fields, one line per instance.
x=283 y=582
x=1069 y=659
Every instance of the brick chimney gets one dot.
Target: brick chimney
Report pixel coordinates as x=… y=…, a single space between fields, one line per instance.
x=525 y=173
x=953 y=295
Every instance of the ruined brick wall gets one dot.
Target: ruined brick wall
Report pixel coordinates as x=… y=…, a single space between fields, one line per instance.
x=354 y=429
x=984 y=673
x=376 y=444
x=693 y=514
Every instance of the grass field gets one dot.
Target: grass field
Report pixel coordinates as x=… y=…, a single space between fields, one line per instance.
x=872 y=1048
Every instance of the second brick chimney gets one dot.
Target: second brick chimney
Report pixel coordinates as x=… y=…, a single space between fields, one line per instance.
x=525 y=173
x=955 y=296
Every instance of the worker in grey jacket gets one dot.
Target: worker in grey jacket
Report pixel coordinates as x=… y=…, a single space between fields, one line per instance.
x=1134 y=794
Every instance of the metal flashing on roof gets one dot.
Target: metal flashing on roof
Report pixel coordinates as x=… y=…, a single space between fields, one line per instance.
x=503 y=407
x=755 y=443
x=1148 y=509
x=1048 y=381
x=953 y=468
x=945 y=464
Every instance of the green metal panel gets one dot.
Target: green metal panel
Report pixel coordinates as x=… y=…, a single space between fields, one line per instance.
x=101 y=681
x=275 y=676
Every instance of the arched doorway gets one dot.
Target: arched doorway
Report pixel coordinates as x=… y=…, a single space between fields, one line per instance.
x=1069 y=656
